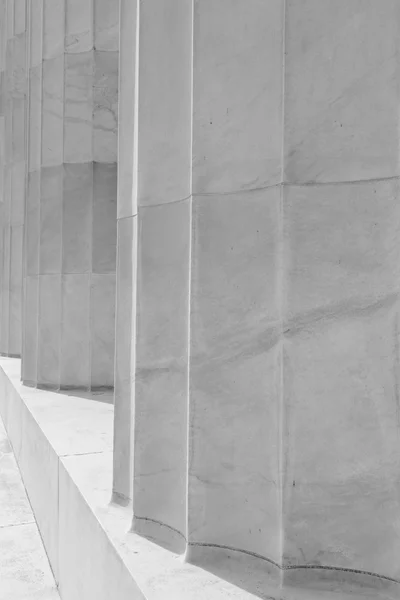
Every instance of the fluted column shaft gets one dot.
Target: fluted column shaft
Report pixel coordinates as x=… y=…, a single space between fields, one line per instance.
x=162 y=183
x=72 y=188
x=266 y=175
x=126 y=259
x=13 y=170
x=3 y=116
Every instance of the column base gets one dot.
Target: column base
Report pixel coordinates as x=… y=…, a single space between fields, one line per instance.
x=66 y=388
x=64 y=451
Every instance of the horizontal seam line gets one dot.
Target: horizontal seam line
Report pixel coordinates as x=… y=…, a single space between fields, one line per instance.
x=241 y=191
x=141 y=206
x=293 y=567
x=264 y=558
x=128 y=216
x=271 y=186
x=345 y=182
x=17 y=524
x=162 y=524
x=83 y=453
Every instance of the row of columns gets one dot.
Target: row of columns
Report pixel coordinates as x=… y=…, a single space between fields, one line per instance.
x=260 y=400
x=13 y=104
x=71 y=199
x=252 y=247
x=59 y=171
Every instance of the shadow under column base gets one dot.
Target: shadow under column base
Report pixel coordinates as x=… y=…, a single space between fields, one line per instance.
x=341 y=580
x=265 y=578
x=165 y=536
x=252 y=573
x=65 y=388
x=98 y=393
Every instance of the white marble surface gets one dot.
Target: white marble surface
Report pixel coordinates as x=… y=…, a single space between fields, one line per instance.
x=79 y=26
x=39 y=468
x=67 y=427
x=341 y=246
x=291 y=110
x=52 y=111
x=3 y=33
x=24 y=567
x=48 y=341
x=20 y=16
x=105 y=108
x=35 y=118
x=51 y=211
x=72 y=192
x=14 y=506
x=53 y=30
x=341 y=90
x=30 y=349
x=235 y=386
x=341 y=256
x=77 y=218
x=75 y=331
x=102 y=320
x=36 y=34
x=341 y=492
x=82 y=429
x=18 y=129
x=237 y=95
x=32 y=230
x=163 y=159
x=126 y=274
x=78 y=200
x=5 y=292
x=283 y=297
x=104 y=216
x=161 y=376
x=158 y=572
x=77 y=522
x=125 y=358
x=13 y=107
x=78 y=110
x=106 y=25
x=18 y=194
x=127 y=201
x=15 y=312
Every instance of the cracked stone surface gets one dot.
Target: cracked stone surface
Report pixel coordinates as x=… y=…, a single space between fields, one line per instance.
x=25 y=572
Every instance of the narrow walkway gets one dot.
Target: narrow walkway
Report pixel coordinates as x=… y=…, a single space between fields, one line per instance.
x=25 y=572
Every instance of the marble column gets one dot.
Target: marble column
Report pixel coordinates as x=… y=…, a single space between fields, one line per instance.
x=3 y=114
x=126 y=259
x=162 y=181
x=341 y=250
x=265 y=161
x=13 y=170
x=235 y=403
x=72 y=192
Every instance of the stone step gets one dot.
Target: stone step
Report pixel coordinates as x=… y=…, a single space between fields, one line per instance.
x=25 y=573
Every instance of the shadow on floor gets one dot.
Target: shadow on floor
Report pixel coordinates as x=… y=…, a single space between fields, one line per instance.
x=105 y=396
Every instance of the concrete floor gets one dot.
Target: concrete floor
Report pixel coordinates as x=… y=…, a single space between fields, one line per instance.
x=25 y=572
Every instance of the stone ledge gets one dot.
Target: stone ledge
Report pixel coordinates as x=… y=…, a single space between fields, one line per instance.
x=63 y=445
